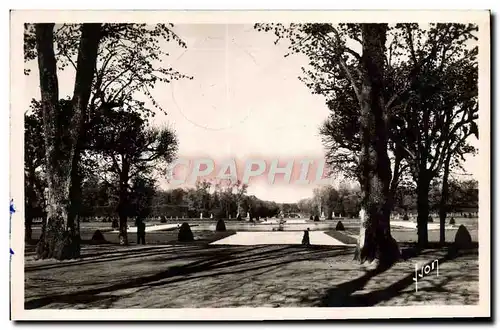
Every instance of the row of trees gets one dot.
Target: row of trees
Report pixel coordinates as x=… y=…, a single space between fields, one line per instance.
x=99 y=199
x=220 y=201
x=403 y=101
x=327 y=200
x=103 y=128
x=346 y=201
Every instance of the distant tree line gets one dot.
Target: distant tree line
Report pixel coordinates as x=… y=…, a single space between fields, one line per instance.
x=101 y=200
x=346 y=201
x=215 y=201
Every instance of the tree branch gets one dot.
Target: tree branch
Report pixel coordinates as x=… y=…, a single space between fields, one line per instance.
x=343 y=64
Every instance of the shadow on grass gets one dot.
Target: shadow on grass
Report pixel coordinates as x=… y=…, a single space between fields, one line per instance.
x=140 y=251
x=342 y=236
x=343 y=295
x=220 y=262
x=208 y=261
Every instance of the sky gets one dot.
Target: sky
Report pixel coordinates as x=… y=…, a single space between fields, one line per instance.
x=245 y=101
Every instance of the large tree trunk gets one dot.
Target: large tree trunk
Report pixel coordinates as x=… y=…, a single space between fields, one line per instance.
x=423 y=186
x=443 y=203
x=75 y=197
x=54 y=241
x=30 y=202
x=28 y=221
x=86 y=67
x=123 y=235
x=375 y=241
x=58 y=239
x=123 y=202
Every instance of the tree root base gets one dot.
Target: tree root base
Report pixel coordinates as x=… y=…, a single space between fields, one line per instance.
x=60 y=247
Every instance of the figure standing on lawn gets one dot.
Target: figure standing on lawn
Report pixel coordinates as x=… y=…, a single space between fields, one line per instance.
x=305 y=239
x=141 y=231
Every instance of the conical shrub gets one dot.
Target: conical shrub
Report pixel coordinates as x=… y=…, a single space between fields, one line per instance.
x=462 y=238
x=185 y=233
x=98 y=236
x=221 y=226
x=340 y=226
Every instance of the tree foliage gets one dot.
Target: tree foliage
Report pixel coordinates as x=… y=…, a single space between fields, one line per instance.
x=131 y=61
x=115 y=65
x=429 y=94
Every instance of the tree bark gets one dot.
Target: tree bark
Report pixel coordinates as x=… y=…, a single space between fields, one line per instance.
x=123 y=202
x=375 y=241
x=28 y=221
x=443 y=203
x=54 y=241
x=58 y=239
x=75 y=197
x=423 y=186
x=30 y=202
x=86 y=67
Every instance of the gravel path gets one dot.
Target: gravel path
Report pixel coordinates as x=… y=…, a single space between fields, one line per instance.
x=272 y=238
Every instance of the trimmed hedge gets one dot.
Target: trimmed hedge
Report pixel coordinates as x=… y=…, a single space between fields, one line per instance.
x=185 y=233
x=340 y=226
x=462 y=238
x=221 y=226
x=98 y=236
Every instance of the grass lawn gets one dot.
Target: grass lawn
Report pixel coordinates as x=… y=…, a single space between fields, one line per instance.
x=162 y=237
x=166 y=274
x=405 y=235
x=344 y=237
x=191 y=276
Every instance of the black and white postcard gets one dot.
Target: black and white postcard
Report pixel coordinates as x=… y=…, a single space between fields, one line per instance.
x=250 y=165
